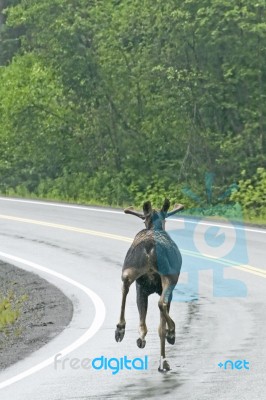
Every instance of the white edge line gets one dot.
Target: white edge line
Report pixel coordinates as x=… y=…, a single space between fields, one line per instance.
x=87 y=208
x=95 y=326
x=44 y=203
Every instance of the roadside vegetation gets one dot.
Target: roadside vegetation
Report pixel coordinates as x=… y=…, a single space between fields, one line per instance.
x=113 y=102
x=10 y=307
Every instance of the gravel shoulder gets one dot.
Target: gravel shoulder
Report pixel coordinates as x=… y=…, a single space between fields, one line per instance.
x=43 y=314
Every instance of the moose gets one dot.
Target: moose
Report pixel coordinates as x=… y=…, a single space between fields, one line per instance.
x=154 y=262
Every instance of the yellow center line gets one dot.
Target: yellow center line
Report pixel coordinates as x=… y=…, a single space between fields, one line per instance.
x=246 y=268
x=67 y=228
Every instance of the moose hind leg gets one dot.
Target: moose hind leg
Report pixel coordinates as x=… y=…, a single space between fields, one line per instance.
x=168 y=285
x=164 y=365
x=142 y=303
x=128 y=277
x=170 y=335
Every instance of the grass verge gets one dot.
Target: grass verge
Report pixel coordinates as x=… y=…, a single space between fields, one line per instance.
x=10 y=307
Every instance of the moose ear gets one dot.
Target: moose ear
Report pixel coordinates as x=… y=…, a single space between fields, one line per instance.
x=165 y=206
x=147 y=208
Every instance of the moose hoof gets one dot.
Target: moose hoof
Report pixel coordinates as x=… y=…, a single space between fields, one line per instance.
x=170 y=337
x=164 y=366
x=141 y=343
x=119 y=334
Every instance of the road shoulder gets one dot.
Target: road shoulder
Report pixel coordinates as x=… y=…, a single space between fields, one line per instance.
x=44 y=312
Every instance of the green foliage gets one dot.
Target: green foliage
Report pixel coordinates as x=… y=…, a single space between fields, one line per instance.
x=251 y=194
x=33 y=132
x=9 y=38
x=115 y=101
x=103 y=188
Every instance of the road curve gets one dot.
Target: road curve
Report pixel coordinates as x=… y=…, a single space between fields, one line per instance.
x=219 y=306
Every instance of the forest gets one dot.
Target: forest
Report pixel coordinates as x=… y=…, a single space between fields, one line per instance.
x=114 y=102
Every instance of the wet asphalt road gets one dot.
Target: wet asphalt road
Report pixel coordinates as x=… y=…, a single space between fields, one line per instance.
x=219 y=310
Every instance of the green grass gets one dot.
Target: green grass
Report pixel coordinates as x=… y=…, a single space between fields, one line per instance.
x=10 y=309
x=255 y=220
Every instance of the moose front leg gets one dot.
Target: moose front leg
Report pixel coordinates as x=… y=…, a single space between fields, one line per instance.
x=142 y=303
x=129 y=275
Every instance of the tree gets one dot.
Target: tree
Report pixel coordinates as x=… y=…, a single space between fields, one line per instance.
x=135 y=94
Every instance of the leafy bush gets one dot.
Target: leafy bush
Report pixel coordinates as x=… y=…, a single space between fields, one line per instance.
x=122 y=189
x=251 y=194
